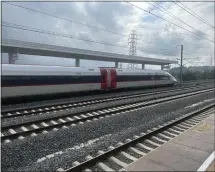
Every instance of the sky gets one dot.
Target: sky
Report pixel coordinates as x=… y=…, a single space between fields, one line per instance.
x=156 y=37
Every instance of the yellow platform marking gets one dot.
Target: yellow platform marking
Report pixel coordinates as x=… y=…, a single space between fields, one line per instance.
x=202 y=127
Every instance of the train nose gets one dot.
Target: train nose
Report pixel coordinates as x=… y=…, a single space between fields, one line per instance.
x=175 y=83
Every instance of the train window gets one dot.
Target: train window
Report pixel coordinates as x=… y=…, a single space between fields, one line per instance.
x=49 y=77
x=9 y=78
x=26 y=77
x=161 y=77
x=75 y=77
x=91 y=69
x=164 y=78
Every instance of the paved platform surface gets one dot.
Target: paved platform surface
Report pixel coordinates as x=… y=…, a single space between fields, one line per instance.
x=186 y=152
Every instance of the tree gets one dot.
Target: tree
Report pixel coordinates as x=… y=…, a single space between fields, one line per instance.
x=194 y=73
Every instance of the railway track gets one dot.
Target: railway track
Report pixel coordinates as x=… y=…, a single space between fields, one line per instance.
x=32 y=128
x=77 y=104
x=13 y=107
x=198 y=82
x=118 y=156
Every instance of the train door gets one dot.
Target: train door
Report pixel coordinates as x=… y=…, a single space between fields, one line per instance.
x=103 y=78
x=108 y=78
x=113 y=78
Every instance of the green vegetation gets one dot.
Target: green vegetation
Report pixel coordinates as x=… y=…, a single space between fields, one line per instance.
x=194 y=73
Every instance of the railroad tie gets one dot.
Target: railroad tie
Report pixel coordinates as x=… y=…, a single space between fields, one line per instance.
x=158 y=139
x=117 y=161
x=128 y=156
x=24 y=128
x=87 y=170
x=145 y=147
x=104 y=167
x=169 y=133
x=152 y=142
x=136 y=151
x=165 y=136
x=12 y=131
x=34 y=126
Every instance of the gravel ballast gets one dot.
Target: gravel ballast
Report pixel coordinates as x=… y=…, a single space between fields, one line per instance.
x=28 y=118
x=48 y=152
x=86 y=97
x=80 y=97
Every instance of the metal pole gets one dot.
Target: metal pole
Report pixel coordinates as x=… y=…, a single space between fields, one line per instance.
x=77 y=62
x=162 y=67
x=181 y=65
x=116 y=64
x=12 y=58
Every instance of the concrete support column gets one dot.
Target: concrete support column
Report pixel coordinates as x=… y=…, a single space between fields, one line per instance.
x=77 y=62
x=12 y=58
x=162 y=67
x=116 y=64
x=143 y=66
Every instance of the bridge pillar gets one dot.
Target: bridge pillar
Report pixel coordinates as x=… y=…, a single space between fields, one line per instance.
x=143 y=66
x=116 y=64
x=77 y=62
x=162 y=67
x=12 y=58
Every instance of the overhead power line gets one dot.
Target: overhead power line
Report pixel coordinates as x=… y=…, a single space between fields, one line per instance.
x=31 y=29
x=175 y=17
x=197 y=58
x=71 y=21
x=193 y=14
x=167 y=21
x=27 y=28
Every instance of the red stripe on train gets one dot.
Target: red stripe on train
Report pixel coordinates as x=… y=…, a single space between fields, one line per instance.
x=104 y=78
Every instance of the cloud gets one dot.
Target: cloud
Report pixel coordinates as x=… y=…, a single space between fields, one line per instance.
x=159 y=39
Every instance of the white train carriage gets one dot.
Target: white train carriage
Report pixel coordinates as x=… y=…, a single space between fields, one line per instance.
x=126 y=78
x=138 y=78
x=29 y=80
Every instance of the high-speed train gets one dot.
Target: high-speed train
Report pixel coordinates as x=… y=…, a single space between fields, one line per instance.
x=30 y=80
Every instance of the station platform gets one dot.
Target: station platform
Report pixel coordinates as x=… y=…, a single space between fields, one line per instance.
x=192 y=150
x=211 y=167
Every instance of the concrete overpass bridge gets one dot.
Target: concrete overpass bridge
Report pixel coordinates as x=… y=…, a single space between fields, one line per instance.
x=14 y=47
